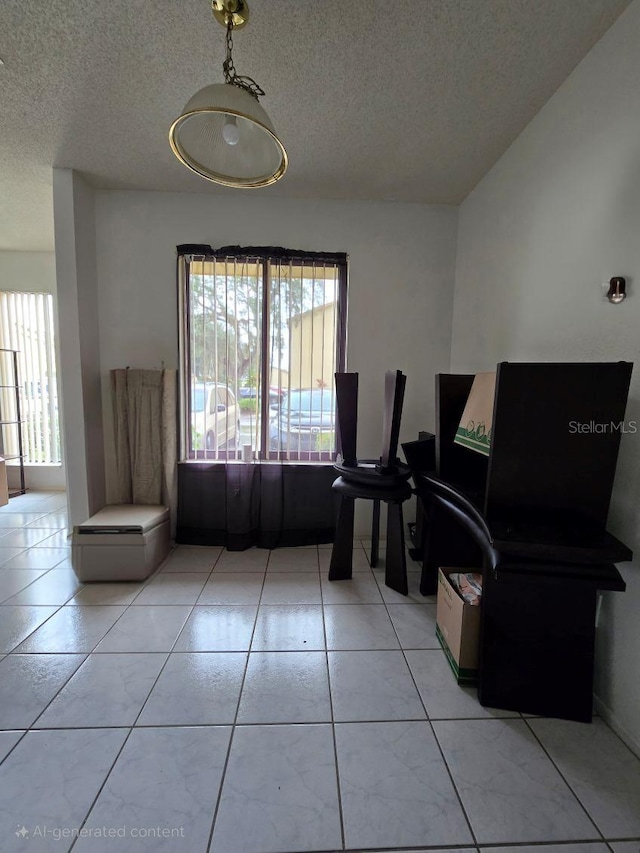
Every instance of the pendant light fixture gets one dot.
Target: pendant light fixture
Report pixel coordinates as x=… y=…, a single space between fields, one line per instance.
x=223 y=134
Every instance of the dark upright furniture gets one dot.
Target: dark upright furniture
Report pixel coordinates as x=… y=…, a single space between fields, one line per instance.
x=384 y=479
x=533 y=516
x=444 y=545
x=420 y=456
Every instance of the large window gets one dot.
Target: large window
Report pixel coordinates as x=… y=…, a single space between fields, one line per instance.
x=26 y=325
x=262 y=334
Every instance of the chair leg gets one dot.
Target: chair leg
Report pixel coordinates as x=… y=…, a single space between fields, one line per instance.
x=341 y=565
x=396 y=564
x=375 y=534
x=428 y=579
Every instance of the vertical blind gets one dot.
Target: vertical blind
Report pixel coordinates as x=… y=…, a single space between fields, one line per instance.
x=262 y=336
x=26 y=325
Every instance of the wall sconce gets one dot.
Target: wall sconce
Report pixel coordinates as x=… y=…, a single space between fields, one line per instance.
x=617 y=289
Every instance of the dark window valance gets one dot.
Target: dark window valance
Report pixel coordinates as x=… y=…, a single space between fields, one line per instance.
x=202 y=250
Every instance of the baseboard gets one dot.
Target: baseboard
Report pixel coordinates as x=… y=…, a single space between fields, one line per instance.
x=605 y=712
x=41 y=477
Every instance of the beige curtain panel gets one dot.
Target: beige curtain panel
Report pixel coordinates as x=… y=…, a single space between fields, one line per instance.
x=144 y=419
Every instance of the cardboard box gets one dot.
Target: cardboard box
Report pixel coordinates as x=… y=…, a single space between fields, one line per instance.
x=458 y=628
x=474 y=430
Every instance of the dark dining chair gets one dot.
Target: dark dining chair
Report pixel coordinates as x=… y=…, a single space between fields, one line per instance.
x=378 y=480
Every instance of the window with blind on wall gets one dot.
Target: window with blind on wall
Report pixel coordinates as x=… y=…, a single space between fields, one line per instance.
x=26 y=325
x=262 y=333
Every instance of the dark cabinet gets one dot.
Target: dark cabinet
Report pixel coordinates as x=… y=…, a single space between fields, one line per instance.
x=533 y=515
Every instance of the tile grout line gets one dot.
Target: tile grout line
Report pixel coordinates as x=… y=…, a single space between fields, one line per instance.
x=132 y=727
x=19 y=643
x=234 y=724
x=333 y=721
x=100 y=789
x=7 y=601
x=87 y=655
x=32 y=726
x=544 y=749
x=112 y=764
x=241 y=725
x=20 y=739
x=557 y=843
x=525 y=720
x=433 y=732
x=619 y=737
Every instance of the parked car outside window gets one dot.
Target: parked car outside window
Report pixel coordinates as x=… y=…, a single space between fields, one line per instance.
x=262 y=323
x=275 y=394
x=305 y=421
x=214 y=416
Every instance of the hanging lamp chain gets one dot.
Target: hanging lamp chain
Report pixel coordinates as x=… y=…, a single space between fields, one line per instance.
x=229 y=70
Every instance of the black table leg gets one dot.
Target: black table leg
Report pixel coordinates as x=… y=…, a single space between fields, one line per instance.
x=375 y=534
x=396 y=562
x=341 y=565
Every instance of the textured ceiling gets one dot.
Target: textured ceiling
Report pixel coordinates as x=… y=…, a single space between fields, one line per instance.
x=410 y=101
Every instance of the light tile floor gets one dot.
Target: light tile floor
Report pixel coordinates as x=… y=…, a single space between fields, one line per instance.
x=241 y=703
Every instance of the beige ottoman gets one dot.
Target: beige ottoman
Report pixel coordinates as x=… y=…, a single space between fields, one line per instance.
x=121 y=543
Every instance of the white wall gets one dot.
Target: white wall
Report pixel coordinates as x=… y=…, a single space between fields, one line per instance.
x=78 y=344
x=400 y=288
x=32 y=272
x=558 y=215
